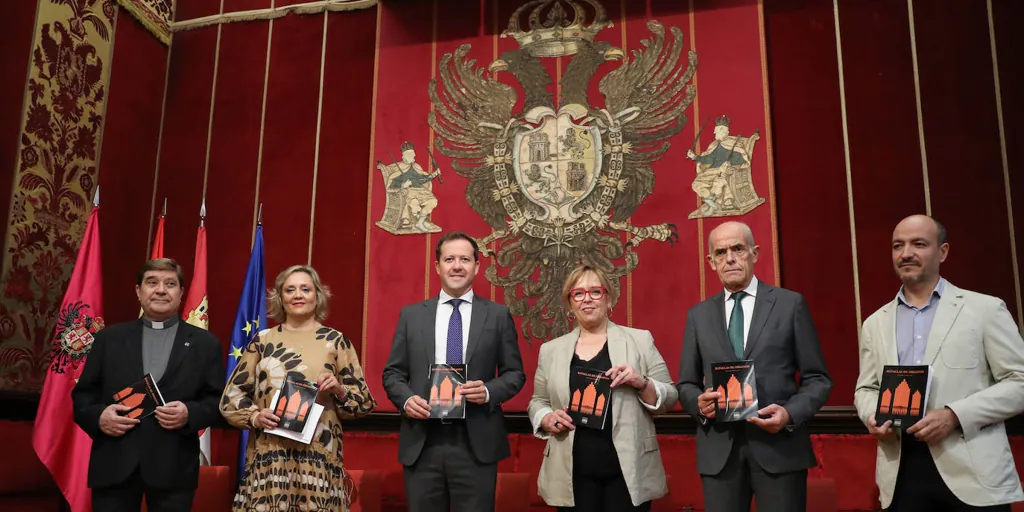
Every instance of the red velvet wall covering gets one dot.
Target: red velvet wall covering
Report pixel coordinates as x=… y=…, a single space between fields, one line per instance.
x=967 y=183
x=1010 y=45
x=816 y=205
x=128 y=158
x=234 y=152
x=239 y=175
x=811 y=186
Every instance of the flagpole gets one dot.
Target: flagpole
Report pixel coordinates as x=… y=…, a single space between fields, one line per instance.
x=250 y=319
x=197 y=311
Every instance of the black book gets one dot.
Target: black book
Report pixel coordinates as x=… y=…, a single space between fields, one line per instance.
x=446 y=400
x=903 y=395
x=142 y=396
x=294 y=403
x=590 y=396
x=737 y=390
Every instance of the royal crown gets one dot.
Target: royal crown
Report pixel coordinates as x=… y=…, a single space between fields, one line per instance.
x=723 y=120
x=406 y=146
x=561 y=31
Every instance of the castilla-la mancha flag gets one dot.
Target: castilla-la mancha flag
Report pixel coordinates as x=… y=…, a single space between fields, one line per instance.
x=60 y=444
x=195 y=313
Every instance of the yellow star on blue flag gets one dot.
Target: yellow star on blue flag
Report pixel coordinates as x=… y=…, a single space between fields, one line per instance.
x=252 y=312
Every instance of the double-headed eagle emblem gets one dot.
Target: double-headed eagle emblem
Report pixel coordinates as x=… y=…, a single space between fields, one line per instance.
x=75 y=334
x=558 y=184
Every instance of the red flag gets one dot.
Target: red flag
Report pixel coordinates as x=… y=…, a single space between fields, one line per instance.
x=60 y=444
x=158 y=240
x=195 y=313
x=196 y=303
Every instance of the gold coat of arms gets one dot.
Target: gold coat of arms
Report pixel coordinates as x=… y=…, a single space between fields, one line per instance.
x=558 y=185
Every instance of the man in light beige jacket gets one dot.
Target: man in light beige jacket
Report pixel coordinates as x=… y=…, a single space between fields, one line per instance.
x=957 y=457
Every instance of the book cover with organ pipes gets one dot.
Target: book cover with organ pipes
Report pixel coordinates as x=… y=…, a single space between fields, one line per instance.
x=903 y=395
x=590 y=396
x=294 y=403
x=142 y=396
x=446 y=400
x=736 y=385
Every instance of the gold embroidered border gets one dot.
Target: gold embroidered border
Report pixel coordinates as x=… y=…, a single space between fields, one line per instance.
x=273 y=13
x=155 y=15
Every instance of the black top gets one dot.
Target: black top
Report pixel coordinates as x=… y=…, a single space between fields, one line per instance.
x=593 y=452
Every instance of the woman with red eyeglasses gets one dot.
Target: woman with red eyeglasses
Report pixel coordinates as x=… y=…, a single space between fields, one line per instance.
x=608 y=458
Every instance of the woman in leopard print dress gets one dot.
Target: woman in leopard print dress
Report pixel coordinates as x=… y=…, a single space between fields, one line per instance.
x=281 y=474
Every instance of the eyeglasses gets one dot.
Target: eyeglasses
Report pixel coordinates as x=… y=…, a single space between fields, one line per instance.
x=595 y=293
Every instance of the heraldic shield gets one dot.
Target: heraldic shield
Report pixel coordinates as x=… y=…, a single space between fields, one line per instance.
x=557 y=163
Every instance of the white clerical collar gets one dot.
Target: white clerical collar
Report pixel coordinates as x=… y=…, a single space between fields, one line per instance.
x=170 y=322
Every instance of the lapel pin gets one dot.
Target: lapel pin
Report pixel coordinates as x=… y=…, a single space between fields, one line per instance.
x=187 y=344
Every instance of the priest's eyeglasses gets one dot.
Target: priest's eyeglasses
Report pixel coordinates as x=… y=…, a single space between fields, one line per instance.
x=595 y=293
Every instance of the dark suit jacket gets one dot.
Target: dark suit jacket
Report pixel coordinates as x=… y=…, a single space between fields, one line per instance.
x=167 y=459
x=782 y=342
x=492 y=355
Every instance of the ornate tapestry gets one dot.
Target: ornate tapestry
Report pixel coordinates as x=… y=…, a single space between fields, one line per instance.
x=55 y=175
x=612 y=133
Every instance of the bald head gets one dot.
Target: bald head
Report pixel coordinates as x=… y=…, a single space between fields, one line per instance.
x=927 y=223
x=731 y=227
x=918 y=248
x=732 y=254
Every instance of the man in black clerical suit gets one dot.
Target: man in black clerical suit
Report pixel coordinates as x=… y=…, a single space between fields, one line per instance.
x=159 y=455
x=454 y=463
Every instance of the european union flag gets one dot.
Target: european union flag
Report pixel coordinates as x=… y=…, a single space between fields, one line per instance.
x=249 y=320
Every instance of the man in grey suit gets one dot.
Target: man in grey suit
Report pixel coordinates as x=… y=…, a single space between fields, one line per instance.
x=767 y=456
x=454 y=463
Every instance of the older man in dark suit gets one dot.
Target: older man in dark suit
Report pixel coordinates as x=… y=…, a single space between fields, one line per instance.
x=454 y=463
x=768 y=455
x=159 y=455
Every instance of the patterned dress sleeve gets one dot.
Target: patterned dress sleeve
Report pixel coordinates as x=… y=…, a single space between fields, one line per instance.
x=237 y=402
x=357 y=402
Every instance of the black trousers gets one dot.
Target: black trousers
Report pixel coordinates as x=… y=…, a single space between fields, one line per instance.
x=919 y=486
x=127 y=497
x=602 y=493
x=448 y=476
x=742 y=477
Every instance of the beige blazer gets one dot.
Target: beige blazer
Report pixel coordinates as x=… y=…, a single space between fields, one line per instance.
x=632 y=424
x=977 y=360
